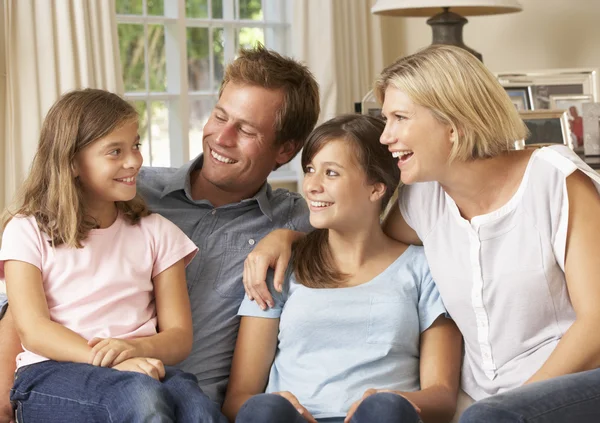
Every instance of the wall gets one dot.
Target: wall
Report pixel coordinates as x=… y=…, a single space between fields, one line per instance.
x=545 y=34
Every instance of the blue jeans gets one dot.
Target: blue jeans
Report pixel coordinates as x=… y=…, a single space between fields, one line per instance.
x=570 y=398
x=3 y=305
x=380 y=408
x=58 y=392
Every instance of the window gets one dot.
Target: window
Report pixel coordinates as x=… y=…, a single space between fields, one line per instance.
x=173 y=53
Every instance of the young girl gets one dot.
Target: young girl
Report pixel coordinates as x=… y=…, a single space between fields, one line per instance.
x=96 y=283
x=375 y=345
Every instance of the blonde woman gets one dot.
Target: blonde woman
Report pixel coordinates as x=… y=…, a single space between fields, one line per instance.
x=510 y=236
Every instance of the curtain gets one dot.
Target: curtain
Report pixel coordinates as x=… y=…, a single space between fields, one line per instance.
x=48 y=47
x=344 y=46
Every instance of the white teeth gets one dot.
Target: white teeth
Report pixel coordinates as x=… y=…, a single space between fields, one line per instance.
x=130 y=179
x=221 y=158
x=320 y=204
x=401 y=153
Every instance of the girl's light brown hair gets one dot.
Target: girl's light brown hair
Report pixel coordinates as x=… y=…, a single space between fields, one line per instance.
x=461 y=92
x=51 y=192
x=312 y=260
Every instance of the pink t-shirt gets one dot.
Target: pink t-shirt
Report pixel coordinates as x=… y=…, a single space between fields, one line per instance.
x=104 y=289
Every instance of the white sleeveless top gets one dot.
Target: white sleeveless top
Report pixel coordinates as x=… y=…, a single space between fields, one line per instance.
x=501 y=276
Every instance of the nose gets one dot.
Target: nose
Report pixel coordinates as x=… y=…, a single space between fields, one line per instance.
x=312 y=184
x=134 y=160
x=387 y=137
x=226 y=136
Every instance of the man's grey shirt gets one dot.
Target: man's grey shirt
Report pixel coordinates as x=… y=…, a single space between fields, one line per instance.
x=225 y=235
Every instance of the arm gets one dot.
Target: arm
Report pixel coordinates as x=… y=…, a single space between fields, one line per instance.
x=37 y=332
x=252 y=359
x=396 y=227
x=274 y=251
x=579 y=348
x=10 y=346
x=173 y=342
x=441 y=355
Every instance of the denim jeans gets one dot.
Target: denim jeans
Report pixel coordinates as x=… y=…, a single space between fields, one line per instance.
x=58 y=392
x=380 y=408
x=3 y=304
x=570 y=398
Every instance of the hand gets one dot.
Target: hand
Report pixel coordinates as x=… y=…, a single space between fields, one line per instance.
x=152 y=367
x=108 y=352
x=370 y=392
x=299 y=407
x=274 y=251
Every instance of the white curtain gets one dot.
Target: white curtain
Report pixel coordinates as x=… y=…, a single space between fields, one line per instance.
x=342 y=43
x=48 y=47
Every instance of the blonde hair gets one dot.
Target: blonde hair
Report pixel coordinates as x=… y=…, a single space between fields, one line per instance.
x=51 y=192
x=461 y=92
x=265 y=68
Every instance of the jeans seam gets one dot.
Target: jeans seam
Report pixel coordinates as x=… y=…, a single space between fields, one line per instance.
x=87 y=403
x=532 y=418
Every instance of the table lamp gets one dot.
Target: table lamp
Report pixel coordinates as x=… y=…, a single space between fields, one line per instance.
x=446 y=16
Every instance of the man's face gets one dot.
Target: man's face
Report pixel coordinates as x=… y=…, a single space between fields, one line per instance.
x=239 y=139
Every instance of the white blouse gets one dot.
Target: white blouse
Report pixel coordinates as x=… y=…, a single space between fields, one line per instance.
x=501 y=275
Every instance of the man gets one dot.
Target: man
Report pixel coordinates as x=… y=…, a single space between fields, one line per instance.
x=267 y=106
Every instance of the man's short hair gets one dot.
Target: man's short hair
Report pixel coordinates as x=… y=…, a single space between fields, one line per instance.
x=265 y=68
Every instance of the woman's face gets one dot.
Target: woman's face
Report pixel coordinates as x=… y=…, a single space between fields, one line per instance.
x=412 y=133
x=336 y=188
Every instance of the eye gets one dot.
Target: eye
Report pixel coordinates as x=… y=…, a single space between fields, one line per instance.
x=137 y=146
x=245 y=132
x=400 y=117
x=309 y=169
x=114 y=152
x=220 y=118
x=330 y=172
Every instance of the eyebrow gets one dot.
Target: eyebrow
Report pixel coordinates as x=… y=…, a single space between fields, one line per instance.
x=120 y=143
x=243 y=121
x=333 y=164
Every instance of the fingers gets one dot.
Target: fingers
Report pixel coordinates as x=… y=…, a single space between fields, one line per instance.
x=92 y=342
x=108 y=358
x=256 y=286
x=158 y=365
x=352 y=410
x=299 y=407
x=280 y=268
x=124 y=355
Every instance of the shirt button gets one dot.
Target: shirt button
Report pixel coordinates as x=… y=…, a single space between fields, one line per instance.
x=213 y=212
x=251 y=241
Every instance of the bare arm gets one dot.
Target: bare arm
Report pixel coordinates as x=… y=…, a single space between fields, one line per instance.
x=10 y=346
x=396 y=227
x=579 y=348
x=274 y=251
x=173 y=342
x=29 y=309
x=441 y=354
x=252 y=359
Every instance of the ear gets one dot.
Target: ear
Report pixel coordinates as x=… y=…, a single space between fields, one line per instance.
x=286 y=152
x=377 y=191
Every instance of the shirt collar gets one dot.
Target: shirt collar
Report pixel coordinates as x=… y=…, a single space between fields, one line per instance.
x=181 y=181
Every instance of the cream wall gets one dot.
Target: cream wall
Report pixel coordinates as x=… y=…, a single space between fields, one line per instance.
x=545 y=34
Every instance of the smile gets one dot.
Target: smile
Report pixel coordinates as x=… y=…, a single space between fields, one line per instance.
x=320 y=204
x=220 y=158
x=129 y=181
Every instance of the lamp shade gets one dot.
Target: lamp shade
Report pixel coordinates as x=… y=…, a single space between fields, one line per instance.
x=427 y=8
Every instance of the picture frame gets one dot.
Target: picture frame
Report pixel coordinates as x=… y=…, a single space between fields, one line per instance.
x=573 y=105
x=553 y=82
x=591 y=129
x=521 y=96
x=370 y=105
x=546 y=127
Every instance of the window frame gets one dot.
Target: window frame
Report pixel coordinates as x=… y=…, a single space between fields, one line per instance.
x=276 y=25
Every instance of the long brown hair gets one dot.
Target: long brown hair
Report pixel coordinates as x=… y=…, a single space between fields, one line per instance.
x=51 y=193
x=312 y=259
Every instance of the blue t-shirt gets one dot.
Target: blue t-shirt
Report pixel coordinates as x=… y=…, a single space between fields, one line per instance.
x=334 y=344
